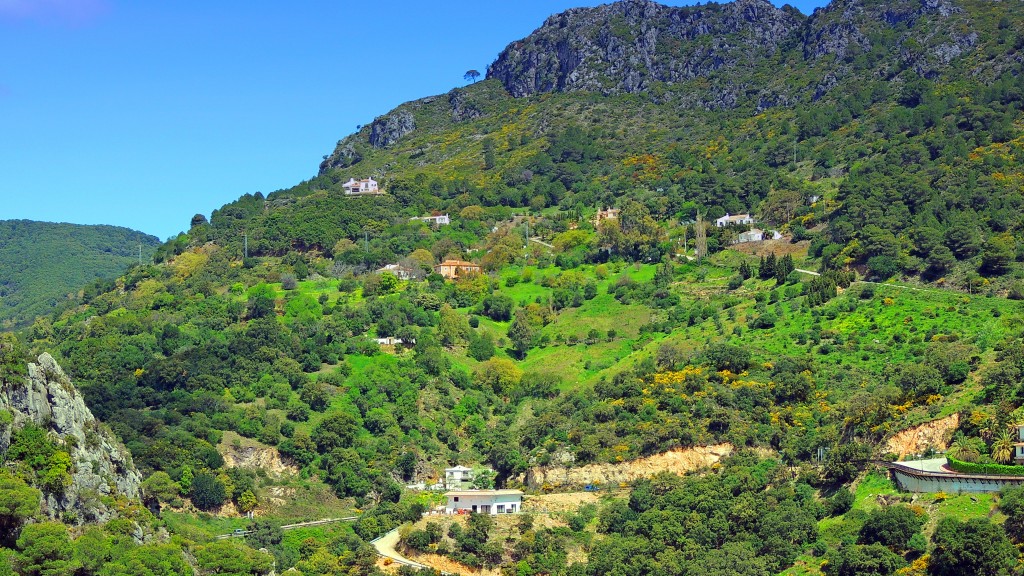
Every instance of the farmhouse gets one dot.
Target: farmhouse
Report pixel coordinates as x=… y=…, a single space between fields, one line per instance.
x=606 y=214
x=360 y=187
x=734 y=220
x=756 y=235
x=436 y=220
x=400 y=272
x=484 y=501
x=453 y=269
x=457 y=476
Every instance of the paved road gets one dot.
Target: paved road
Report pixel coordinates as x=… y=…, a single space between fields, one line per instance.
x=385 y=546
x=808 y=272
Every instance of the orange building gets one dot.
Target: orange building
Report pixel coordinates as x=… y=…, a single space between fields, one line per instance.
x=453 y=269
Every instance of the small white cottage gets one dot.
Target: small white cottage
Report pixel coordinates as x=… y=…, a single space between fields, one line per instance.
x=484 y=502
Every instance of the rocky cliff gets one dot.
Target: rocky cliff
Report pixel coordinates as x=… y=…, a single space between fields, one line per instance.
x=742 y=46
x=102 y=467
x=628 y=46
x=933 y=435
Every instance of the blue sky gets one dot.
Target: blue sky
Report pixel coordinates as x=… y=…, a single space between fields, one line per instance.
x=144 y=113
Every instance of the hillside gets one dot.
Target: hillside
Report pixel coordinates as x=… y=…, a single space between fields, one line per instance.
x=883 y=140
x=45 y=264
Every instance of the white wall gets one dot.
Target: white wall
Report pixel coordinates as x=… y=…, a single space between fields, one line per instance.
x=480 y=500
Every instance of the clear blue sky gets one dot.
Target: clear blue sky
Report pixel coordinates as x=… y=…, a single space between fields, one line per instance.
x=142 y=113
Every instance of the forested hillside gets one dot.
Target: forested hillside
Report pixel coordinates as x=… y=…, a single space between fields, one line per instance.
x=43 y=264
x=882 y=140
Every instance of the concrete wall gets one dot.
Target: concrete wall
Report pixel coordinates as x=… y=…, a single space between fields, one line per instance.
x=950 y=484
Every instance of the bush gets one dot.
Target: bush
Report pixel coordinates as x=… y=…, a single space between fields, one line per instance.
x=841 y=502
x=979 y=468
x=207 y=492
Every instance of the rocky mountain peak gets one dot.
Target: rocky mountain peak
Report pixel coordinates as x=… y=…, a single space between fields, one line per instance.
x=102 y=466
x=627 y=46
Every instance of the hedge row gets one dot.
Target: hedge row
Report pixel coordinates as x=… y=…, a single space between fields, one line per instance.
x=975 y=468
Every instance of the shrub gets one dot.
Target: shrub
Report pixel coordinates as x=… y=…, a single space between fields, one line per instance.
x=979 y=468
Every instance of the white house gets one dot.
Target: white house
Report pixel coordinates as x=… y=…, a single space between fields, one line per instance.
x=438 y=220
x=457 y=476
x=734 y=220
x=484 y=502
x=756 y=235
x=400 y=272
x=356 y=187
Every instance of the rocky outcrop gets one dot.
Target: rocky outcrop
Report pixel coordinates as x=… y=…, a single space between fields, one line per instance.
x=386 y=130
x=632 y=45
x=461 y=108
x=345 y=155
x=265 y=458
x=102 y=465
x=934 y=435
x=679 y=461
x=627 y=46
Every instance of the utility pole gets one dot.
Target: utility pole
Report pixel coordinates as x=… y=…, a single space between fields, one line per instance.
x=701 y=237
x=245 y=245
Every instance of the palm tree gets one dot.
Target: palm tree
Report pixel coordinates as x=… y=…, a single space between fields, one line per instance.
x=1002 y=448
x=963 y=448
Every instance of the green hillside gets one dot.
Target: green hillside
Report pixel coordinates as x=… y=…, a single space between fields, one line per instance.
x=882 y=139
x=44 y=265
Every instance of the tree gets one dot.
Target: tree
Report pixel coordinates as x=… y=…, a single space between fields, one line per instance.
x=18 y=501
x=247 y=501
x=976 y=546
x=521 y=333
x=46 y=550
x=1002 y=448
x=871 y=560
x=160 y=486
x=228 y=558
x=670 y=356
x=964 y=448
x=92 y=550
x=498 y=374
x=207 y=491
x=149 y=560
x=471 y=75
x=498 y=307
x=997 y=255
x=892 y=526
x=452 y=327
x=264 y=534
x=335 y=431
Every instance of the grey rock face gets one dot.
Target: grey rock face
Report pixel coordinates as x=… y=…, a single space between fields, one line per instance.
x=627 y=46
x=389 y=129
x=461 y=109
x=102 y=465
x=344 y=155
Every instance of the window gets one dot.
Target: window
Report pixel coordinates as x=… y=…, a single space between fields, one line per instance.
x=501 y=508
x=456 y=498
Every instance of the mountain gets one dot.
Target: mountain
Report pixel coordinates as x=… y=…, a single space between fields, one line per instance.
x=45 y=264
x=882 y=139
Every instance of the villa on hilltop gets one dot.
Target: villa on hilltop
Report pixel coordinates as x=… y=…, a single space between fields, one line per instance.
x=734 y=220
x=436 y=220
x=361 y=187
x=452 y=269
x=606 y=214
